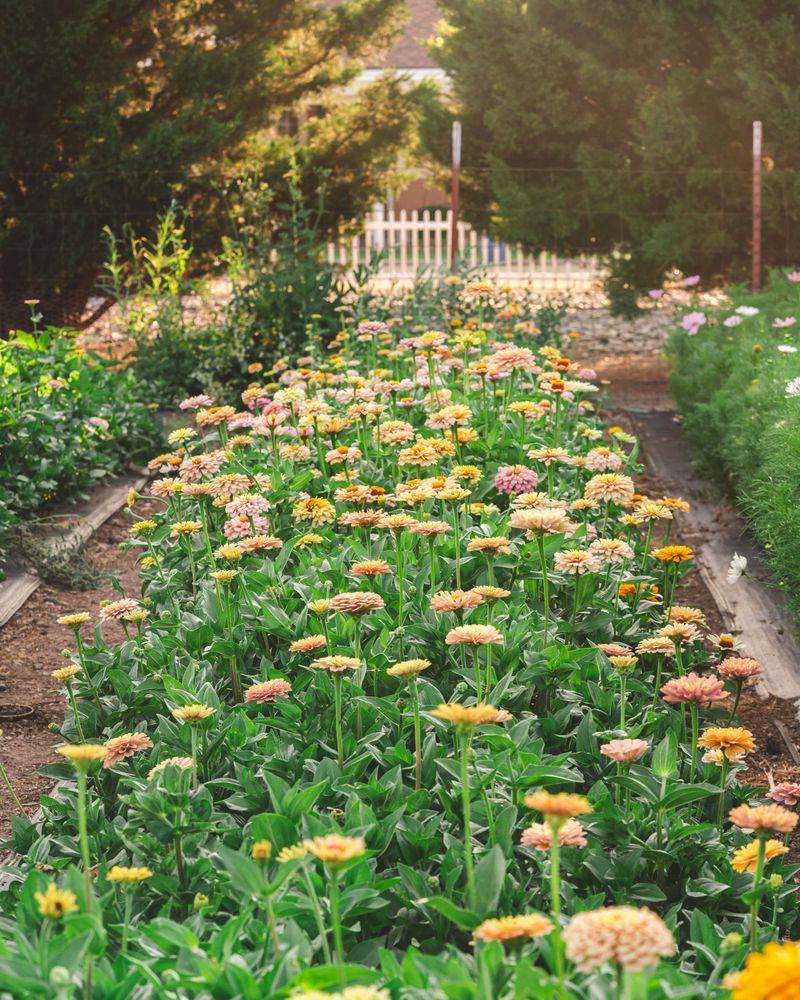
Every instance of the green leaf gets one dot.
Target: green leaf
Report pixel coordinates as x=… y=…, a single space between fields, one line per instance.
x=490 y=872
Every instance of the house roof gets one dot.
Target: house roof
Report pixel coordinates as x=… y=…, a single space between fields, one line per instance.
x=408 y=50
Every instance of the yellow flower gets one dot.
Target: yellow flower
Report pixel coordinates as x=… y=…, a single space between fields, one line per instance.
x=185 y=527
x=193 y=713
x=261 y=850
x=65 y=674
x=408 y=668
x=674 y=553
x=744 y=860
x=293 y=853
x=143 y=527
x=232 y=553
x=71 y=621
x=317 y=510
x=224 y=575
x=771 y=974
x=733 y=741
x=121 y=873
x=56 y=903
x=467 y=716
x=82 y=754
x=310 y=539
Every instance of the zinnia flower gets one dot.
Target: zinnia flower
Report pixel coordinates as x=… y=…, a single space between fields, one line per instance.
x=455 y=600
x=624 y=751
x=115 y=610
x=467 y=716
x=193 y=713
x=120 y=747
x=515 y=479
x=528 y=925
x=56 y=903
x=335 y=664
x=358 y=603
x=267 y=691
x=786 y=793
x=334 y=849
x=633 y=938
x=732 y=741
x=473 y=635
x=772 y=819
x=771 y=974
x=558 y=804
x=184 y=763
x=744 y=859
x=540 y=835
x=408 y=668
x=693 y=687
x=739 y=668
x=674 y=553
x=547 y=521
x=122 y=873
x=610 y=487
x=307 y=644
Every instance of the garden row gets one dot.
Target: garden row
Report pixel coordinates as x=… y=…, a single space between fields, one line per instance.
x=736 y=382
x=408 y=707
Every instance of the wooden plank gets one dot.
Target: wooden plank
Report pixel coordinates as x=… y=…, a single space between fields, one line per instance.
x=84 y=519
x=716 y=531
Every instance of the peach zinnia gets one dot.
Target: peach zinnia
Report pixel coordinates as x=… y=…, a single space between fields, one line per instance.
x=307 y=644
x=120 y=747
x=624 y=751
x=610 y=487
x=632 y=938
x=527 y=925
x=334 y=849
x=739 y=668
x=455 y=600
x=559 y=804
x=771 y=819
x=335 y=664
x=473 y=635
x=358 y=603
x=470 y=715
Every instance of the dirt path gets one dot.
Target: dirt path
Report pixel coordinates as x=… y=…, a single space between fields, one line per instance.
x=639 y=383
x=30 y=648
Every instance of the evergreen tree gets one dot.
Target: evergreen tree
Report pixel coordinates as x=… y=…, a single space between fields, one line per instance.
x=113 y=107
x=595 y=125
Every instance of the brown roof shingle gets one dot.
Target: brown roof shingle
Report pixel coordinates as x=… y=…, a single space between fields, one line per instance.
x=408 y=51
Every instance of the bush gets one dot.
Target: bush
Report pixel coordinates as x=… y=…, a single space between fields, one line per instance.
x=730 y=385
x=69 y=420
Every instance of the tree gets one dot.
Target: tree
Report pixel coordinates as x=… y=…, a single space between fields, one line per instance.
x=111 y=108
x=596 y=125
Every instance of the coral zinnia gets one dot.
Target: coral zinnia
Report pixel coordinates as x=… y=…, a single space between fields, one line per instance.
x=624 y=751
x=527 y=925
x=674 y=553
x=633 y=938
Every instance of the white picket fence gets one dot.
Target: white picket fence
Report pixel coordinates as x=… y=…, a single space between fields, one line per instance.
x=412 y=241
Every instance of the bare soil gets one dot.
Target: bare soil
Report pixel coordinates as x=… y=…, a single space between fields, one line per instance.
x=30 y=648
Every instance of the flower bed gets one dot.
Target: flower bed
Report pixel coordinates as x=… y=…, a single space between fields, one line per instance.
x=407 y=708
x=68 y=421
x=735 y=380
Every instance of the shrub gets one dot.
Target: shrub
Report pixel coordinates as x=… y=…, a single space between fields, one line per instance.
x=68 y=421
x=732 y=388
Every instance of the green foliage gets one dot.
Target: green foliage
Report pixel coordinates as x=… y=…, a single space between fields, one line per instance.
x=115 y=107
x=68 y=421
x=730 y=387
x=602 y=126
x=435 y=811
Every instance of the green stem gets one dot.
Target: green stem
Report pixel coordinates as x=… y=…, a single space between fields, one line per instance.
x=695 y=727
x=193 y=737
x=126 y=921
x=762 y=848
x=465 y=808
x=337 y=703
x=337 y=925
x=312 y=895
x=545 y=585
x=83 y=835
x=417 y=735
x=555 y=904
x=10 y=787
x=721 y=804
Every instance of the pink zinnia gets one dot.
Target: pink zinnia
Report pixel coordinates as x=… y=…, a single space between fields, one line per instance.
x=694 y=688
x=624 y=751
x=786 y=793
x=516 y=479
x=267 y=691
x=540 y=836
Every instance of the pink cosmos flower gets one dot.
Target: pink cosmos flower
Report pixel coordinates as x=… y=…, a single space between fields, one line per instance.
x=692 y=322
